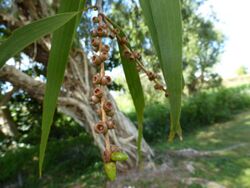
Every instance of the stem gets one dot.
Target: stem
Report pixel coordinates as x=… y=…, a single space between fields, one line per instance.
x=137 y=61
x=104 y=116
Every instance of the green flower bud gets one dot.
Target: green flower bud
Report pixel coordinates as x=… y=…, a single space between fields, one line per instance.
x=110 y=169
x=119 y=156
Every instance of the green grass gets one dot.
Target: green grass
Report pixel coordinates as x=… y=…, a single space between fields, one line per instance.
x=72 y=163
x=68 y=162
x=230 y=167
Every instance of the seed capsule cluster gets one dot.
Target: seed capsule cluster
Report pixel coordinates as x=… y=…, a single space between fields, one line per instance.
x=105 y=109
x=134 y=56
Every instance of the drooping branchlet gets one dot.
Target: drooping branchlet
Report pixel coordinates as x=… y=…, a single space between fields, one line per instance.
x=105 y=109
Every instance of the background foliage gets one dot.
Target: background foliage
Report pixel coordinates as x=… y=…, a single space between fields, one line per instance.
x=204 y=104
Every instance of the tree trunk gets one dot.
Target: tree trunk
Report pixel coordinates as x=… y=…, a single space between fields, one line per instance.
x=7 y=125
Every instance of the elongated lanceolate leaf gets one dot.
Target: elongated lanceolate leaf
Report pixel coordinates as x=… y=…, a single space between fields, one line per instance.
x=135 y=88
x=58 y=58
x=27 y=34
x=163 y=18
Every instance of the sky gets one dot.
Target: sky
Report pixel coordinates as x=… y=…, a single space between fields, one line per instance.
x=235 y=24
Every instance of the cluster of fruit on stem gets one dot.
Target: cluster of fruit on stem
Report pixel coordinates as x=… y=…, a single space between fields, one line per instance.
x=134 y=56
x=105 y=110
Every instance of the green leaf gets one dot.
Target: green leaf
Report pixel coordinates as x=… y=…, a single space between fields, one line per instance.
x=163 y=18
x=27 y=34
x=61 y=44
x=135 y=88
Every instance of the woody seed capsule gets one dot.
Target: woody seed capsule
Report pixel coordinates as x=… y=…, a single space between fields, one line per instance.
x=105 y=80
x=132 y=56
x=126 y=53
x=138 y=68
x=96 y=79
x=98 y=92
x=101 y=128
x=95 y=42
x=112 y=35
x=94 y=99
x=94 y=33
x=104 y=56
x=100 y=32
x=158 y=86
x=123 y=41
x=151 y=75
x=137 y=55
x=108 y=106
x=95 y=19
x=105 y=48
x=96 y=60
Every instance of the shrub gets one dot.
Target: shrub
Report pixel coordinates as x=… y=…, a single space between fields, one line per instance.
x=209 y=107
x=72 y=156
x=199 y=110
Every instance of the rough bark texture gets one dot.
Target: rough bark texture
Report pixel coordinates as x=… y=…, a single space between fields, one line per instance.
x=7 y=124
x=77 y=87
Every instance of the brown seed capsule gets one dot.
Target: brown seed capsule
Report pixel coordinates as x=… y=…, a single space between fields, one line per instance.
x=98 y=92
x=106 y=80
x=94 y=99
x=132 y=57
x=137 y=55
x=101 y=16
x=104 y=26
x=151 y=75
x=94 y=33
x=158 y=86
x=112 y=35
x=108 y=106
x=116 y=31
x=111 y=124
x=95 y=19
x=100 y=32
x=95 y=42
x=104 y=56
x=105 y=48
x=101 y=128
x=126 y=53
x=138 y=68
x=96 y=79
x=96 y=60
x=123 y=41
